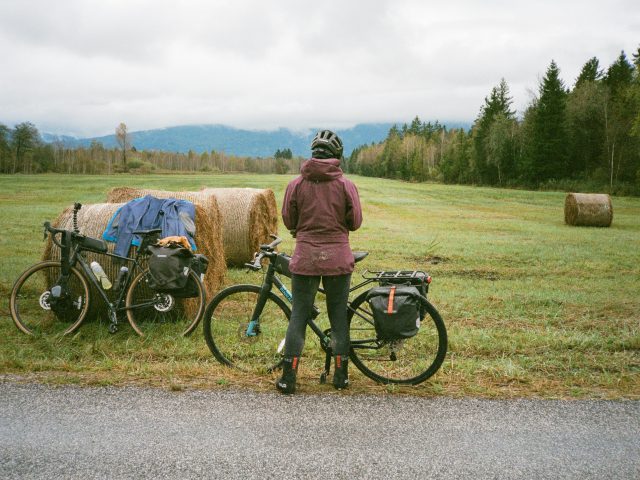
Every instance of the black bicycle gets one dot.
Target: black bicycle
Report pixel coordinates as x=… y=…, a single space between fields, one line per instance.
x=245 y=326
x=53 y=297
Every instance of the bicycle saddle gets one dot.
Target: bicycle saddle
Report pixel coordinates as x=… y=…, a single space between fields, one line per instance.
x=357 y=256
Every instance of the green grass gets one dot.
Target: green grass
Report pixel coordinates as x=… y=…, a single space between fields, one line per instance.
x=534 y=308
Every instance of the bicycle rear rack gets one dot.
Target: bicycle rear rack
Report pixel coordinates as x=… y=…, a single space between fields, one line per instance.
x=396 y=275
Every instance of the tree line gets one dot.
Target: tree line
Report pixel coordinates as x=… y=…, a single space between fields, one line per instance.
x=22 y=150
x=583 y=137
x=587 y=136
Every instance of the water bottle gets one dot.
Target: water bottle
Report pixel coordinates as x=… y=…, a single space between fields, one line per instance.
x=121 y=276
x=100 y=275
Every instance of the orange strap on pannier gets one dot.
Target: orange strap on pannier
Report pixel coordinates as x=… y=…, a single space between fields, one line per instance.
x=392 y=294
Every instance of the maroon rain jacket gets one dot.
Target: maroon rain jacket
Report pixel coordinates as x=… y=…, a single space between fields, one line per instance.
x=322 y=206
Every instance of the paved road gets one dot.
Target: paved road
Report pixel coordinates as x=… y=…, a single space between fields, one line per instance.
x=85 y=433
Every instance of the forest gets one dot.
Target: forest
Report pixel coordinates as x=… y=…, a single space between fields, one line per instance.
x=583 y=137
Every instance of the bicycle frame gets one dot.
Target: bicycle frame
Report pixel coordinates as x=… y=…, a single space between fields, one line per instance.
x=72 y=254
x=271 y=279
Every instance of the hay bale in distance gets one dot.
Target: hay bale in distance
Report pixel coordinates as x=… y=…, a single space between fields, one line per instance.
x=588 y=209
x=208 y=227
x=249 y=216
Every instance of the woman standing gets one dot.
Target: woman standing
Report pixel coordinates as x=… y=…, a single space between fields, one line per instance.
x=320 y=207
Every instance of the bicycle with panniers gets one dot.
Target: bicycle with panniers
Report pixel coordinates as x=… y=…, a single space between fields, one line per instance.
x=54 y=297
x=397 y=335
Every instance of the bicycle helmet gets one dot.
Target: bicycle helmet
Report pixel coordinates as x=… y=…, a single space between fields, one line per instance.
x=326 y=140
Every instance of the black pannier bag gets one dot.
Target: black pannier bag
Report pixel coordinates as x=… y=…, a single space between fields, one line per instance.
x=396 y=311
x=169 y=268
x=199 y=265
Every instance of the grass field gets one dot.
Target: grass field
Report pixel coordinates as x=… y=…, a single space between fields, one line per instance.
x=534 y=308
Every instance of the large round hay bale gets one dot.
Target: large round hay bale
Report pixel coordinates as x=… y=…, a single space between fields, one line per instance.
x=588 y=209
x=249 y=217
x=93 y=220
x=208 y=240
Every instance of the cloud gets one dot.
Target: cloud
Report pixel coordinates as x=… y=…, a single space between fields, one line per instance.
x=81 y=67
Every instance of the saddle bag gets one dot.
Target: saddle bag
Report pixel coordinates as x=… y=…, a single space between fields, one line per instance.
x=396 y=311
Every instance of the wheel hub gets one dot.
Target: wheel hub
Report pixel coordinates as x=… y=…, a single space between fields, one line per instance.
x=164 y=302
x=44 y=300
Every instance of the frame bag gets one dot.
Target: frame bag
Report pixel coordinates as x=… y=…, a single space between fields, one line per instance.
x=396 y=311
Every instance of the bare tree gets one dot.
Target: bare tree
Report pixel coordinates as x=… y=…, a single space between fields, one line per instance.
x=124 y=140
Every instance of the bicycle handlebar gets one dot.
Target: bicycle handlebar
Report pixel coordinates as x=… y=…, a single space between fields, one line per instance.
x=266 y=250
x=53 y=231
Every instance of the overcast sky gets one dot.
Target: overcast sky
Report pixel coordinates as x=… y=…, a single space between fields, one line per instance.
x=81 y=67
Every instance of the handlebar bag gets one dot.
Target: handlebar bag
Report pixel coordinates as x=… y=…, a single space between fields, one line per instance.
x=282 y=264
x=169 y=268
x=396 y=311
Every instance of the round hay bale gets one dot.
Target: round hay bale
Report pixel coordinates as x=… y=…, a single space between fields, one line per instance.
x=588 y=209
x=93 y=220
x=208 y=227
x=249 y=217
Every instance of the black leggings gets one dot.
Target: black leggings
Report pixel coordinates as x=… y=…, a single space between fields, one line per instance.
x=304 y=288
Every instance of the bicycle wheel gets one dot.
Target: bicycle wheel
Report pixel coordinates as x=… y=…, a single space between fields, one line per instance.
x=226 y=324
x=407 y=361
x=36 y=311
x=155 y=313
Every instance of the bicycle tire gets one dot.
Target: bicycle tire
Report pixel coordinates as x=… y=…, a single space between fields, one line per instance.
x=416 y=358
x=225 y=328
x=31 y=303
x=154 y=313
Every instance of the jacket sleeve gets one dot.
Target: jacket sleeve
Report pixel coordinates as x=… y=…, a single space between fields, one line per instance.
x=354 y=209
x=290 y=208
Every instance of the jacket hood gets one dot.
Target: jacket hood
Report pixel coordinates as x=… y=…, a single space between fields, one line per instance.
x=318 y=170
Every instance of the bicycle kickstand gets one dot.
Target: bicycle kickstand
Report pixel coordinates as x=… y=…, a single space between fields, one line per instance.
x=113 y=325
x=327 y=366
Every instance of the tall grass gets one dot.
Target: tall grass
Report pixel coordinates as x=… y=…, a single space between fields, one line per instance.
x=533 y=307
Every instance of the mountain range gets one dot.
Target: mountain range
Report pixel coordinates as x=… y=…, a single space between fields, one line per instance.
x=234 y=141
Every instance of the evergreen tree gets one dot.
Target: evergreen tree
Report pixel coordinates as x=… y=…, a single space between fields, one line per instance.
x=590 y=72
x=619 y=75
x=548 y=154
x=586 y=128
x=620 y=113
x=497 y=103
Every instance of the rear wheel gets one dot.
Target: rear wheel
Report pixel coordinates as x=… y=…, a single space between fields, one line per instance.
x=44 y=303
x=231 y=337
x=406 y=361
x=155 y=313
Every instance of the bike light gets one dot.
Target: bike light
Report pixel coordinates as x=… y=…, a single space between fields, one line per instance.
x=428 y=278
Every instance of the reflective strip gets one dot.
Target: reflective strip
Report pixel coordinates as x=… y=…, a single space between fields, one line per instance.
x=392 y=294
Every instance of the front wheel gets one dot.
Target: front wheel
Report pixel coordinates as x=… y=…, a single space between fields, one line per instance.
x=406 y=361
x=45 y=302
x=235 y=340
x=156 y=313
